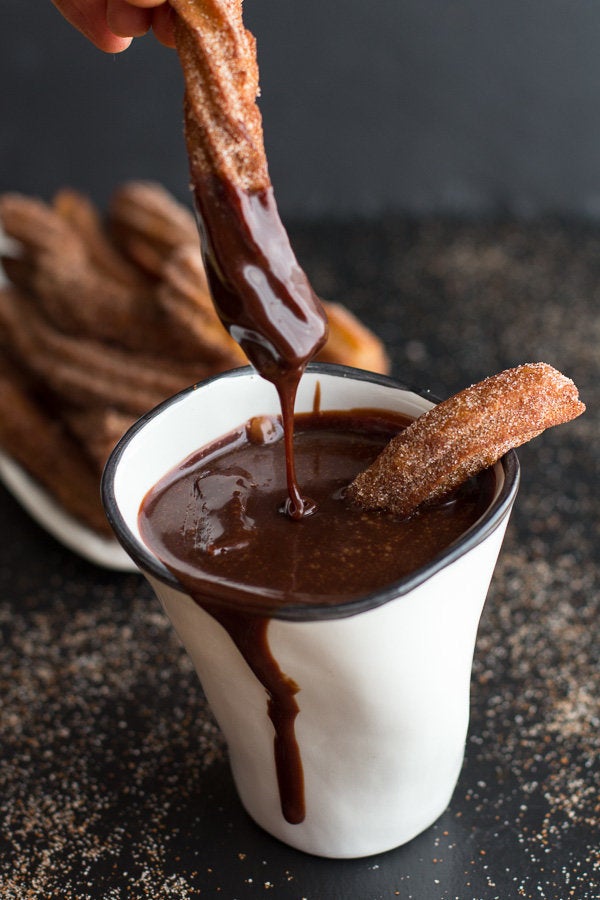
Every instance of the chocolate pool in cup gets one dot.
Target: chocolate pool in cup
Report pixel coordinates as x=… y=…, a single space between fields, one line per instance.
x=384 y=679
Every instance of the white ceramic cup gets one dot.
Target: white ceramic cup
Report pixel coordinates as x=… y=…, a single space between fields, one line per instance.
x=384 y=680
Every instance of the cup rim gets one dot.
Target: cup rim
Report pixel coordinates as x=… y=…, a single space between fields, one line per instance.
x=149 y=564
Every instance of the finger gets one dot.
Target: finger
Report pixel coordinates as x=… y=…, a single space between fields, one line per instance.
x=90 y=20
x=163 y=24
x=147 y=4
x=126 y=20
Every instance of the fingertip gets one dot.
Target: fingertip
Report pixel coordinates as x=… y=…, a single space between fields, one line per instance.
x=112 y=43
x=163 y=25
x=148 y=4
x=126 y=21
x=106 y=40
x=90 y=21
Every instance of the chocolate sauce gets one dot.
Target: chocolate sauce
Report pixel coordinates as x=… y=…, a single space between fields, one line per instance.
x=216 y=523
x=262 y=296
x=248 y=631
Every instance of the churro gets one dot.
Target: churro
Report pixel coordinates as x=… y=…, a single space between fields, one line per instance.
x=260 y=292
x=36 y=227
x=85 y=371
x=184 y=299
x=464 y=435
x=81 y=214
x=57 y=262
x=148 y=224
x=223 y=123
x=350 y=343
x=38 y=441
x=97 y=429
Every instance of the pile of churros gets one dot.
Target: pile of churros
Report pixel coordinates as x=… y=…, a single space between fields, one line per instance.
x=103 y=317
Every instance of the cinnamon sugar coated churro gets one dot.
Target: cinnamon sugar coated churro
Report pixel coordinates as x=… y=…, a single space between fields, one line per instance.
x=223 y=123
x=464 y=435
x=53 y=457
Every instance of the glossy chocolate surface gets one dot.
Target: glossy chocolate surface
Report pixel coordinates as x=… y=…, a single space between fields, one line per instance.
x=217 y=522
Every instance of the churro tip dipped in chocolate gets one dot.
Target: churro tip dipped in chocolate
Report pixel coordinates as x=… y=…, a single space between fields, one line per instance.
x=260 y=292
x=463 y=435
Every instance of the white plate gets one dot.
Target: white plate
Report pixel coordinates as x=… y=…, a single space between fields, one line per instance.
x=104 y=552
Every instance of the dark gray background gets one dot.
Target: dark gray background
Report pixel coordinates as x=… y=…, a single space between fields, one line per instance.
x=451 y=106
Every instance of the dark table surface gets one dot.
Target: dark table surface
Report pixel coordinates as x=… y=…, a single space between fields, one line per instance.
x=113 y=776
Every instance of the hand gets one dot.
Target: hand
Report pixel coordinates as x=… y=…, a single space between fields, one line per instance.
x=112 y=24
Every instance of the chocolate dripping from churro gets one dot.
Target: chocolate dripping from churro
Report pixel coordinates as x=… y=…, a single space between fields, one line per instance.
x=261 y=294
